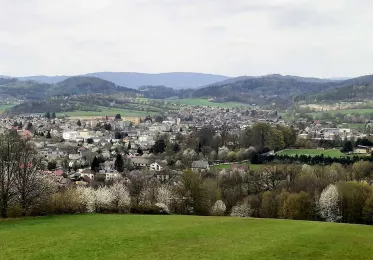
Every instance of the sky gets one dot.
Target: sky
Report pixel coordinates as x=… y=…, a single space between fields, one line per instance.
x=321 y=38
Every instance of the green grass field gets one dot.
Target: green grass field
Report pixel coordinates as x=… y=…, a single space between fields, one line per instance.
x=254 y=167
x=344 y=111
x=180 y=237
x=205 y=102
x=313 y=152
x=107 y=112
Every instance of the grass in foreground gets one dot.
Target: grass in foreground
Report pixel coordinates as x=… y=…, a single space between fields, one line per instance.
x=180 y=237
x=205 y=102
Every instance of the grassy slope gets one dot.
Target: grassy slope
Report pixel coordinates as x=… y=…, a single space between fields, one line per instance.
x=180 y=237
x=205 y=102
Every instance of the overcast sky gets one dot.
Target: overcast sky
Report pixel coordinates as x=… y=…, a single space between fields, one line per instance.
x=323 y=38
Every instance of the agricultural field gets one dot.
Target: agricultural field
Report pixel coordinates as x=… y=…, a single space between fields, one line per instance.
x=205 y=102
x=180 y=237
x=313 y=152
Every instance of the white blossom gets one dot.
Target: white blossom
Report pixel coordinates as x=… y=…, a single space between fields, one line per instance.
x=219 y=208
x=329 y=204
x=162 y=208
x=243 y=210
x=164 y=195
x=120 y=196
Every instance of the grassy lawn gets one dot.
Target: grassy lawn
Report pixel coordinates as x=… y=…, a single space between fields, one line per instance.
x=329 y=152
x=180 y=237
x=254 y=167
x=205 y=102
x=108 y=112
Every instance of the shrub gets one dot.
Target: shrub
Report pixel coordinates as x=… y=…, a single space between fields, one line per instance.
x=243 y=210
x=14 y=211
x=162 y=208
x=219 y=208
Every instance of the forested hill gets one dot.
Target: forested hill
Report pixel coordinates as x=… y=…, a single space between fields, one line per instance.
x=357 y=89
x=287 y=89
x=266 y=89
x=32 y=90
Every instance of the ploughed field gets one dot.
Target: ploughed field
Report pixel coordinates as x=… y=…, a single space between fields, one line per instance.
x=99 y=236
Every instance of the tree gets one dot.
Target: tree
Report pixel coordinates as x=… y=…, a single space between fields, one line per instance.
x=347 y=147
x=118 y=117
x=52 y=165
x=129 y=146
x=89 y=141
x=140 y=151
x=158 y=119
x=79 y=123
x=9 y=157
x=118 y=135
x=329 y=204
x=54 y=115
x=48 y=136
x=95 y=165
x=269 y=205
x=32 y=187
x=47 y=115
x=29 y=126
x=159 y=146
x=219 y=208
x=119 y=163
x=120 y=196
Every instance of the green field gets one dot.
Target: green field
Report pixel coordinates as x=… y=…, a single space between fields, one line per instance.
x=108 y=112
x=254 y=167
x=205 y=102
x=344 y=111
x=329 y=152
x=180 y=237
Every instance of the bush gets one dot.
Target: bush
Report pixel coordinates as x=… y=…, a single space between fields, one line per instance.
x=243 y=210
x=14 y=211
x=162 y=208
x=219 y=208
x=68 y=201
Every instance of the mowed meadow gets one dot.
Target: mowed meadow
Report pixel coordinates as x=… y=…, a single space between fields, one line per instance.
x=104 y=236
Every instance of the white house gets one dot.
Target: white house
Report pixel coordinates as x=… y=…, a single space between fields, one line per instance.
x=155 y=167
x=70 y=135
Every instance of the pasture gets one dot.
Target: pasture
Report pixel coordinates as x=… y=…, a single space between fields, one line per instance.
x=144 y=237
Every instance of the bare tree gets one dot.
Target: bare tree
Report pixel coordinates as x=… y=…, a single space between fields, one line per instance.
x=9 y=162
x=31 y=186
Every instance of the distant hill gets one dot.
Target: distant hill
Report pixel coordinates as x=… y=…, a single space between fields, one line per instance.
x=32 y=90
x=356 y=89
x=268 y=89
x=176 y=80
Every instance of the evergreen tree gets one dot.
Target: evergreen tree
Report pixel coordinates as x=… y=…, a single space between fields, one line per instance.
x=95 y=164
x=140 y=151
x=29 y=126
x=129 y=146
x=79 y=123
x=119 y=163
x=47 y=115
x=48 y=135
x=53 y=115
x=118 y=117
